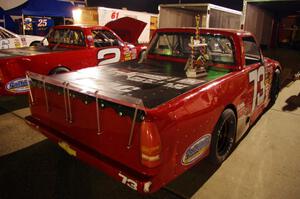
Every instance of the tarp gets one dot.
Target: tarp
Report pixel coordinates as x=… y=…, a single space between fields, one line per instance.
x=49 y=8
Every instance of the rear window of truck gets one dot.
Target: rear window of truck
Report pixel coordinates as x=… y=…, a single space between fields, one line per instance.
x=219 y=49
x=251 y=50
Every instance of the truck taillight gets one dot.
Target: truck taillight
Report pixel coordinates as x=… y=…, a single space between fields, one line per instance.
x=150 y=145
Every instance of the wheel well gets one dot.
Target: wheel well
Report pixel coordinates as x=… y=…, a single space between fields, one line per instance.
x=232 y=107
x=34 y=43
x=59 y=69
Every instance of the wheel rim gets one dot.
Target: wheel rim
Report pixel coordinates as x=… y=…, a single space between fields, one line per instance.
x=225 y=139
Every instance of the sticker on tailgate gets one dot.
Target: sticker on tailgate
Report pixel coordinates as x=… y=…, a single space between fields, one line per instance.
x=19 y=85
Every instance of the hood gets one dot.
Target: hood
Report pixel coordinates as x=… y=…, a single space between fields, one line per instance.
x=129 y=29
x=33 y=37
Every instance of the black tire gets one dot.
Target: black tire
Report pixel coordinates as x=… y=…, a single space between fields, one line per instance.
x=59 y=70
x=223 y=137
x=275 y=88
x=36 y=43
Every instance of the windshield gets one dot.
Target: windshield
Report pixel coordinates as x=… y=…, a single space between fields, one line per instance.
x=218 y=47
x=104 y=38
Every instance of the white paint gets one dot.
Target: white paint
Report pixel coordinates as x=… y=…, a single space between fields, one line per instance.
x=103 y=52
x=255 y=77
x=147 y=186
x=129 y=182
x=17 y=41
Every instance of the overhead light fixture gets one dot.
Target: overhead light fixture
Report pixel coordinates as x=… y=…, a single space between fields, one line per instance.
x=77 y=15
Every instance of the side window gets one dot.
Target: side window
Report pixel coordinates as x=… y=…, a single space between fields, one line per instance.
x=2 y=36
x=66 y=36
x=76 y=38
x=5 y=35
x=252 y=53
x=103 y=38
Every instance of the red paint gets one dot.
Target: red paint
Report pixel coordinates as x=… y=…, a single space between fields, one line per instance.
x=173 y=126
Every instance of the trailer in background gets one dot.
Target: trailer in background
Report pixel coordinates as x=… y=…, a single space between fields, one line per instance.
x=212 y=16
x=259 y=21
x=273 y=22
x=101 y=16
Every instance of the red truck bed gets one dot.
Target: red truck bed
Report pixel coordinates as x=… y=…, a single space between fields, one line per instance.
x=126 y=94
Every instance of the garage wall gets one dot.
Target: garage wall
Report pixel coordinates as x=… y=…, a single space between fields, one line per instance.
x=260 y=23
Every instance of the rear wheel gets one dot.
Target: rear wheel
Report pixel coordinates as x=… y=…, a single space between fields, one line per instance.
x=275 y=86
x=223 y=137
x=59 y=70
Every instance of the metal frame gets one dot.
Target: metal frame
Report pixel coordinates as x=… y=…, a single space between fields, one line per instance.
x=208 y=5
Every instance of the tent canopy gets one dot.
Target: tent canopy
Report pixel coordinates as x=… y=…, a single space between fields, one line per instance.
x=50 y=8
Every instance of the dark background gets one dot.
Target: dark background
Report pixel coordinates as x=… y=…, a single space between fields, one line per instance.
x=152 y=5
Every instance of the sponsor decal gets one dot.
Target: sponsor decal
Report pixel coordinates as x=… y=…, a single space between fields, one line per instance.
x=67 y=148
x=17 y=43
x=196 y=150
x=4 y=44
x=19 y=85
x=240 y=106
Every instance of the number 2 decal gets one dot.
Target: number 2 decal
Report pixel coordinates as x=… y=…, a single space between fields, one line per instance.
x=103 y=52
x=258 y=77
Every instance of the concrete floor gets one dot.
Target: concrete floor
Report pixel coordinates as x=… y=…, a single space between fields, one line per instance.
x=265 y=164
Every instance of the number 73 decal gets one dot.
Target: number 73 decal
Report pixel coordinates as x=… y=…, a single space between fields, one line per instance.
x=258 y=77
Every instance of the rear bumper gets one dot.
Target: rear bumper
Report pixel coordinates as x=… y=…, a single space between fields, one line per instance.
x=131 y=178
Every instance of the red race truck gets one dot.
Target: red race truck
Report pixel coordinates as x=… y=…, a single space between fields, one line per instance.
x=71 y=48
x=146 y=123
